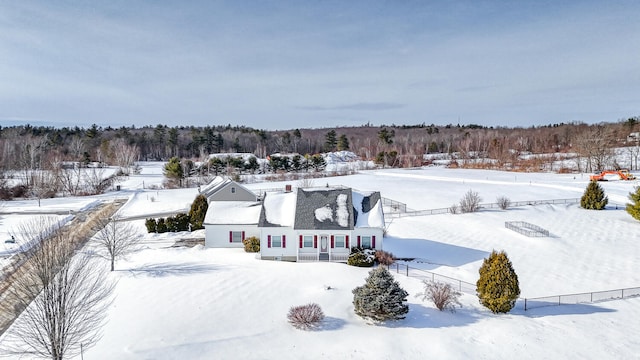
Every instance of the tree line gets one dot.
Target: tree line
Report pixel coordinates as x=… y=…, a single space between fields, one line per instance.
x=29 y=147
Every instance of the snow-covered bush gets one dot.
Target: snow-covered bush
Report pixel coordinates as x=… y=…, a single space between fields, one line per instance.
x=361 y=257
x=161 y=226
x=593 y=197
x=251 y=244
x=470 y=202
x=498 y=286
x=305 y=317
x=503 y=202
x=443 y=296
x=381 y=298
x=151 y=225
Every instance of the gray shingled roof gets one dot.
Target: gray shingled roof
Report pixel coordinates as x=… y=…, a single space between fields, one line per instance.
x=309 y=201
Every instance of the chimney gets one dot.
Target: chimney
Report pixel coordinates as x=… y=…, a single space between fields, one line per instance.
x=287 y=188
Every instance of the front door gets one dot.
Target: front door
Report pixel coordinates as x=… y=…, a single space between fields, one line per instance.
x=324 y=247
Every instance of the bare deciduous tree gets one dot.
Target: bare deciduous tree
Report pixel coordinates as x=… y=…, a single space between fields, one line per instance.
x=470 y=202
x=116 y=239
x=125 y=155
x=61 y=295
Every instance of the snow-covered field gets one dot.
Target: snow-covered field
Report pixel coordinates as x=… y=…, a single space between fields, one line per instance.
x=197 y=303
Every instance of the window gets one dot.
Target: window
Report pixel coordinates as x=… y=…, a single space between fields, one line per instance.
x=339 y=241
x=276 y=241
x=307 y=241
x=233 y=190
x=236 y=236
x=365 y=242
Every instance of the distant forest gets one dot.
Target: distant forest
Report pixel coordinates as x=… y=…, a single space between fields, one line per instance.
x=33 y=147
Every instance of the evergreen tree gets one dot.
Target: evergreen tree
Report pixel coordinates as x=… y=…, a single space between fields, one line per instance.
x=498 y=286
x=198 y=211
x=173 y=170
x=330 y=141
x=633 y=208
x=381 y=298
x=593 y=198
x=343 y=142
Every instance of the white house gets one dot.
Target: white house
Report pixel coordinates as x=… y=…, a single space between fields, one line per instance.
x=319 y=224
x=227 y=223
x=307 y=225
x=225 y=189
x=232 y=215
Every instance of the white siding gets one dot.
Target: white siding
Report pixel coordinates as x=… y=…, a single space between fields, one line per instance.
x=218 y=235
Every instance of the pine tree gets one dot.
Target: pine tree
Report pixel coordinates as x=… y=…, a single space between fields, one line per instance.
x=594 y=198
x=633 y=208
x=381 y=298
x=498 y=286
x=198 y=211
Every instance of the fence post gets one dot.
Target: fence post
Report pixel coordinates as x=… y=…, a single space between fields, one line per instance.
x=559 y=303
x=397 y=268
x=407 y=270
x=623 y=293
x=525 y=304
x=460 y=285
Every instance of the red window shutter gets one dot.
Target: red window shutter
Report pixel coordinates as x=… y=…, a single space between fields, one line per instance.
x=358 y=240
x=300 y=241
x=268 y=241
x=373 y=241
x=347 y=242
x=284 y=241
x=332 y=241
x=315 y=241
x=243 y=235
x=230 y=236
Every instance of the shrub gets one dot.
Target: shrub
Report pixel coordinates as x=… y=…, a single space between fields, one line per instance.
x=305 y=317
x=593 y=197
x=251 y=244
x=152 y=225
x=503 y=202
x=454 y=209
x=162 y=226
x=381 y=298
x=443 y=296
x=633 y=208
x=498 y=286
x=361 y=257
x=182 y=221
x=384 y=258
x=198 y=211
x=470 y=202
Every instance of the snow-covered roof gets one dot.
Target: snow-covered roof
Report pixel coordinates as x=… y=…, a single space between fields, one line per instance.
x=278 y=209
x=233 y=212
x=214 y=185
x=324 y=208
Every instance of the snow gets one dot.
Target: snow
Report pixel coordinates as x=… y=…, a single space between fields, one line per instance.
x=203 y=303
x=373 y=218
x=233 y=212
x=342 y=212
x=280 y=208
x=324 y=213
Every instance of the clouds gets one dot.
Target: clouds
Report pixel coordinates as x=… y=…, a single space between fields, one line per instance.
x=288 y=64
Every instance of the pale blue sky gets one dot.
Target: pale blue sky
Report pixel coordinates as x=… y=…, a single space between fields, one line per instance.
x=301 y=64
